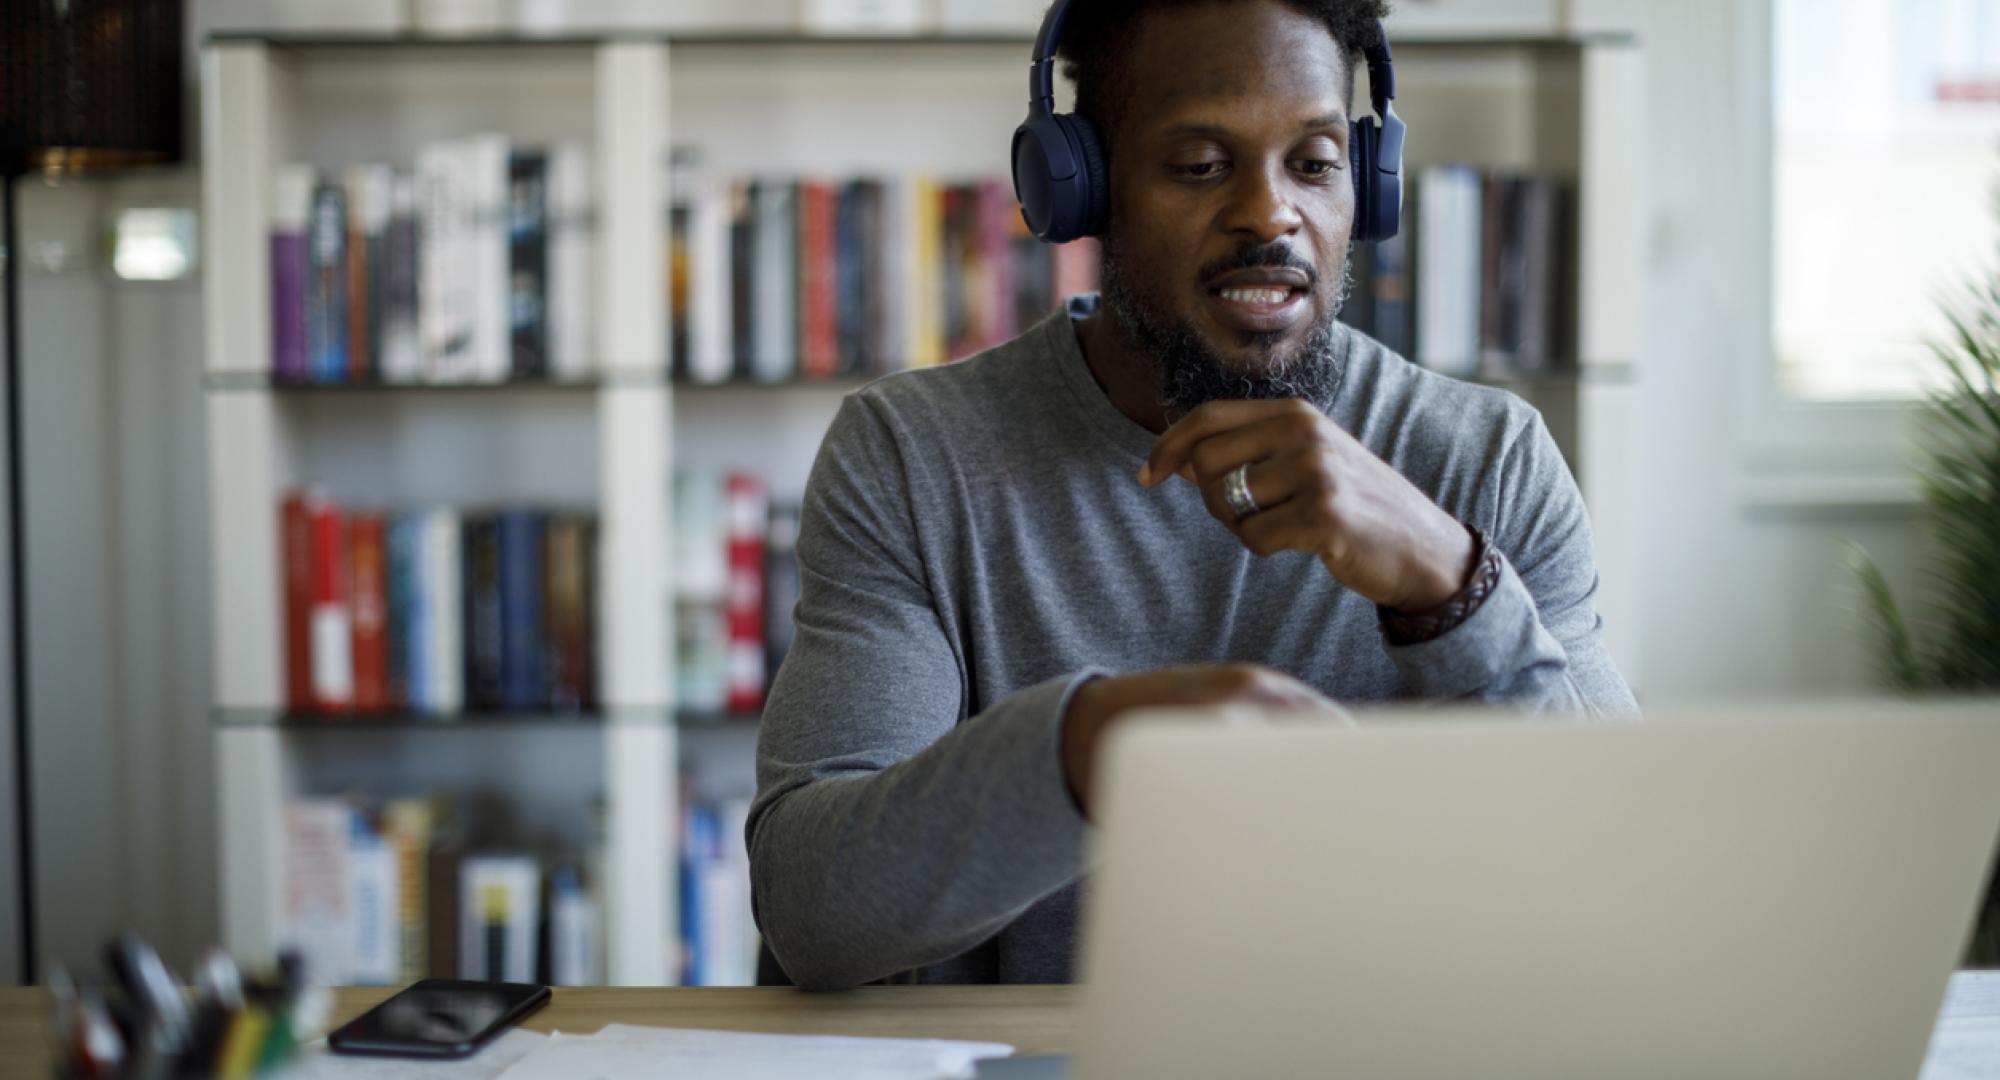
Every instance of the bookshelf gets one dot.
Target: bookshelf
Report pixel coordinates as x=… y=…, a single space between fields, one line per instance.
x=755 y=103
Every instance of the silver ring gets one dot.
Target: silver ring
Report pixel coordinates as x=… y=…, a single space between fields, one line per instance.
x=1236 y=491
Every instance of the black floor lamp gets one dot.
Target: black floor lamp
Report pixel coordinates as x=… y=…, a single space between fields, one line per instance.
x=85 y=86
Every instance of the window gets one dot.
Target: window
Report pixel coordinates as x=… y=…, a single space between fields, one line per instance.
x=1885 y=186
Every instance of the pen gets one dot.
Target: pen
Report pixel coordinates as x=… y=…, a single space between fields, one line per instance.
x=160 y=1019
x=219 y=997
x=99 y=1050
x=243 y=1044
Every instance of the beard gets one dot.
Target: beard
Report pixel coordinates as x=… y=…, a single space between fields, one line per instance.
x=1191 y=371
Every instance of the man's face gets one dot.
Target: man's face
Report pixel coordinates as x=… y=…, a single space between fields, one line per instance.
x=1232 y=202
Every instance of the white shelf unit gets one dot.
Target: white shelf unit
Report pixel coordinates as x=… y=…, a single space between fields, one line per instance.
x=267 y=103
x=754 y=103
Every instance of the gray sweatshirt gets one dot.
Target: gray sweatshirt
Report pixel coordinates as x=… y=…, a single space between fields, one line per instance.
x=974 y=544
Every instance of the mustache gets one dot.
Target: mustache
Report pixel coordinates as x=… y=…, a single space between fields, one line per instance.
x=1261 y=256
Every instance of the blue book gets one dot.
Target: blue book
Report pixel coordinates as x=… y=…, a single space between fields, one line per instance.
x=524 y=681
x=326 y=285
x=402 y=627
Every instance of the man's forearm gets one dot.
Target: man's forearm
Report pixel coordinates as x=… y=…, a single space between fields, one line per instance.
x=861 y=872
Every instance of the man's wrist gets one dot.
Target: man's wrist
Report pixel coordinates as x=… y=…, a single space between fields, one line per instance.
x=1482 y=576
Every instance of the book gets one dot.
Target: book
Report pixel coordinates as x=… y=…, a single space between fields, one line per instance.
x=368 y=202
x=527 y=264
x=367 y=548
x=742 y=257
x=818 y=348
x=1387 y=288
x=923 y=291
x=485 y=647
x=523 y=634
x=291 y=213
x=499 y=916
x=326 y=285
x=679 y=362
x=439 y=633
x=1448 y=271
x=998 y=214
x=573 y=931
x=319 y=913
x=401 y=357
x=709 y=303
x=775 y=240
x=487 y=175
x=376 y=957
x=297 y=537
x=332 y=627
x=850 y=283
x=781 y=584
x=407 y=825
x=402 y=671
x=748 y=515
x=445 y=278
x=571 y=590
x=571 y=250
x=1539 y=344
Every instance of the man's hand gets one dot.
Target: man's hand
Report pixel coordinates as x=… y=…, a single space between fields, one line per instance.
x=1319 y=491
x=1097 y=703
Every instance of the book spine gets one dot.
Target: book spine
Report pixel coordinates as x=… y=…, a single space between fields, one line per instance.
x=958 y=254
x=485 y=655
x=997 y=210
x=781 y=585
x=326 y=298
x=1494 y=352
x=1389 y=294
x=358 y=359
x=820 y=331
x=748 y=516
x=523 y=633
x=570 y=242
x=487 y=258
x=399 y=626
x=401 y=353
x=407 y=826
x=923 y=229
x=849 y=268
x=319 y=913
x=710 y=313
x=296 y=527
x=332 y=622
x=572 y=931
x=441 y=613
x=679 y=362
x=371 y=602
x=742 y=256
x=528 y=263
x=372 y=867
x=292 y=196
x=569 y=614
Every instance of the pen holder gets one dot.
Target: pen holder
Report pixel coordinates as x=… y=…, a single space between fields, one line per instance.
x=145 y=1026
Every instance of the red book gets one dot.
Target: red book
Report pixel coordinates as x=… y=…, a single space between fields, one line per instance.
x=371 y=612
x=331 y=624
x=819 y=345
x=743 y=605
x=296 y=556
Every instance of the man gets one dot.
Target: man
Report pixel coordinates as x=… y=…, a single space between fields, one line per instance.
x=1001 y=556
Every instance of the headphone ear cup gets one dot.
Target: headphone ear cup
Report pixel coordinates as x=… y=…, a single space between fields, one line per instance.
x=1094 y=195
x=1362 y=143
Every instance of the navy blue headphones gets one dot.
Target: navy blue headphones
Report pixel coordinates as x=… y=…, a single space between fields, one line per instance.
x=1059 y=167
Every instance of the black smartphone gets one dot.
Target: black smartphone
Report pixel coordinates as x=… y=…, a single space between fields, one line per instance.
x=438 y=1018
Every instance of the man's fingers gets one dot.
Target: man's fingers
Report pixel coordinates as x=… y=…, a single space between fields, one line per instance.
x=1171 y=453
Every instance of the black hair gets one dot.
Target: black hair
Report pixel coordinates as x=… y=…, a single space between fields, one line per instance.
x=1096 y=36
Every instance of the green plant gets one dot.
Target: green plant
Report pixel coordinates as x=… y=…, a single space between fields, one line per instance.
x=1955 y=646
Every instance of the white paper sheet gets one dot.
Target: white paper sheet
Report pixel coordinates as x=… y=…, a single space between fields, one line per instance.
x=626 y=1052
x=316 y=1063
x=1966 y=1044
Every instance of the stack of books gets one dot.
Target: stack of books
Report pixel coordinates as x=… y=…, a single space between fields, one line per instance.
x=438 y=611
x=1485 y=294
x=776 y=278
x=387 y=893
x=736 y=582
x=473 y=265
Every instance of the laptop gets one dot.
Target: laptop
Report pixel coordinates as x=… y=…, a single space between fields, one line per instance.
x=1755 y=893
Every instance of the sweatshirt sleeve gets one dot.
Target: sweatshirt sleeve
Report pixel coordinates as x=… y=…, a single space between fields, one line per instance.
x=1537 y=641
x=891 y=830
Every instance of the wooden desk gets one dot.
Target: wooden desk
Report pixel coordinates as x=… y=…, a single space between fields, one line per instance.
x=1035 y=1019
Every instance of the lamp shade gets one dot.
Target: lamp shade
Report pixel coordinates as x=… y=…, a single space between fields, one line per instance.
x=90 y=84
